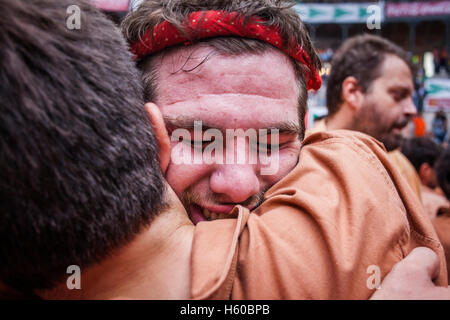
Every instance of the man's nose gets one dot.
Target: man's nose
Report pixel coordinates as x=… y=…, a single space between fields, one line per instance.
x=235 y=182
x=410 y=108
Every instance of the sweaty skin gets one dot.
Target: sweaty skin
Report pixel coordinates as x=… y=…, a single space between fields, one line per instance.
x=228 y=92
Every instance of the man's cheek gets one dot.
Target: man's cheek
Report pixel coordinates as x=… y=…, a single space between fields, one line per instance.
x=289 y=159
x=182 y=176
x=181 y=153
x=279 y=164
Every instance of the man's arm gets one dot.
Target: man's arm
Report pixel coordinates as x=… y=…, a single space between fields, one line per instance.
x=333 y=228
x=411 y=279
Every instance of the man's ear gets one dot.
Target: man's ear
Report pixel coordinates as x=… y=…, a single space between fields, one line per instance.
x=351 y=93
x=425 y=172
x=161 y=134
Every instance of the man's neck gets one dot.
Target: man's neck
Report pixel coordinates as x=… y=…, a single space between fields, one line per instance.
x=340 y=120
x=154 y=265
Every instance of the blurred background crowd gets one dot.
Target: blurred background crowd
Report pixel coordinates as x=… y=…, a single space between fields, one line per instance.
x=420 y=27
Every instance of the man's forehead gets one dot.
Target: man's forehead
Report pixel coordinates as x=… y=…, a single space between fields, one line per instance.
x=396 y=73
x=191 y=72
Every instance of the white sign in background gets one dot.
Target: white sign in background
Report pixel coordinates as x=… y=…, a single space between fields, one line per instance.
x=337 y=13
x=438 y=94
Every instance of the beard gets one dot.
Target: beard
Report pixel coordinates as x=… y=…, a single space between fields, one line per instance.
x=372 y=121
x=392 y=141
x=188 y=197
x=394 y=138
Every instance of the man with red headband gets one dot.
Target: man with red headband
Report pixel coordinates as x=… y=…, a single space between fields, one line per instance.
x=92 y=198
x=227 y=67
x=247 y=66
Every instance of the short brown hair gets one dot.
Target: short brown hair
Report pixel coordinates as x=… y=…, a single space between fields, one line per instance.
x=360 y=57
x=273 y=12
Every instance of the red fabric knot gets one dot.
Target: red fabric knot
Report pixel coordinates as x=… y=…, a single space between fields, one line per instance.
x=208 y=24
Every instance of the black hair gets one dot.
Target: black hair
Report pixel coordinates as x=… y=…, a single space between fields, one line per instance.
x=420 y=150
x=443 y=172
x=79 y=165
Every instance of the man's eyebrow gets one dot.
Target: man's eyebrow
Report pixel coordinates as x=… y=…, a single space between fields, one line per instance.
x=288 y=127
x=401 y=88
x=186 y=122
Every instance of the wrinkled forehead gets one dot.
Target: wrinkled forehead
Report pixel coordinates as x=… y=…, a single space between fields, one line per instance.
x=201 y=66
x=250 y=89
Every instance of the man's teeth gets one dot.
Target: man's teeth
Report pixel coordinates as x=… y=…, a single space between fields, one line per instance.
x=213 y=215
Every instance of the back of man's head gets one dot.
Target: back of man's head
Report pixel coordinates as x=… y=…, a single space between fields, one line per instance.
x=360 y=57
x=421 y=151
x=443 y=172
x=277 y=13
x=79 y=174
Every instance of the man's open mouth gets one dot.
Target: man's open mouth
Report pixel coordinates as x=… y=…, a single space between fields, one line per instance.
x=400 y=125
x=198 y=214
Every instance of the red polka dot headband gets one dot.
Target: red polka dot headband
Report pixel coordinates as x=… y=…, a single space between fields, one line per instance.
x=208 y=24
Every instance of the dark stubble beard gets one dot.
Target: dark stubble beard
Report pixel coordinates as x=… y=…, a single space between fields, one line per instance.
x=392 y=141
x=369 y=120
x=188 y=197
